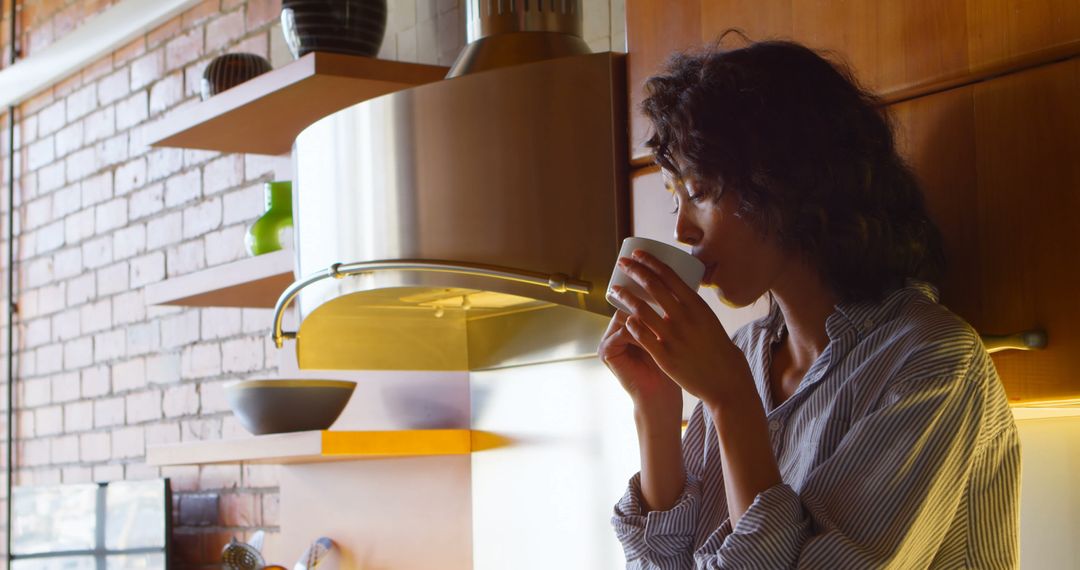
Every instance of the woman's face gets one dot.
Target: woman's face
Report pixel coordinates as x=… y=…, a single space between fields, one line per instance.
x=740 y=263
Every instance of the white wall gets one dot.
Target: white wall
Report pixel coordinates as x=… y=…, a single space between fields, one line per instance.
x=1050 y=496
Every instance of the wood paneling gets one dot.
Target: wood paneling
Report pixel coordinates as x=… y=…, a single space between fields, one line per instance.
x=1027 y=128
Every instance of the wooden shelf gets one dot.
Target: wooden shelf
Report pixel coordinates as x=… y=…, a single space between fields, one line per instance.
x=255 y=282
x=264 y=115
x=319 y=446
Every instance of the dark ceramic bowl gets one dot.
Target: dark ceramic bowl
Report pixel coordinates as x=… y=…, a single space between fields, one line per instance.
x=280 y=406
x=354 y=27
x=231 y=69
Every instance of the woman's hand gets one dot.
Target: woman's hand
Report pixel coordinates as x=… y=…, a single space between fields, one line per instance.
x=651 y=390
x=689 y=344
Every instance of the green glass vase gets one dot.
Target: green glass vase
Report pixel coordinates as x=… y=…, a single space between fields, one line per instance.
x=264 y=235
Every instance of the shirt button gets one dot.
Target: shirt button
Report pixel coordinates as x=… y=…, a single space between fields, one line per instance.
x=774 y=425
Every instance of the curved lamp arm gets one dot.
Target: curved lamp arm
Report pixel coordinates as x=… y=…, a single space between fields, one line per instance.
x=558 y=282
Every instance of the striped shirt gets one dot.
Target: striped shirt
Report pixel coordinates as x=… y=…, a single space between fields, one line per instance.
x=897 y=450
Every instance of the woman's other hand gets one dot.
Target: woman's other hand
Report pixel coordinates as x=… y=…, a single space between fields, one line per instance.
x=652 y=391
x=688 y=344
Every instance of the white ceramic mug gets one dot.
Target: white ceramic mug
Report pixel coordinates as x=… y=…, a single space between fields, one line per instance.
x=689 y=268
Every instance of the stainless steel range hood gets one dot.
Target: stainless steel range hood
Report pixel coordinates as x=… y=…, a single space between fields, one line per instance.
x=462 y=225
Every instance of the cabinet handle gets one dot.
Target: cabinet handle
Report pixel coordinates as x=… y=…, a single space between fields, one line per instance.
x=1027 y=340
x=558 y=282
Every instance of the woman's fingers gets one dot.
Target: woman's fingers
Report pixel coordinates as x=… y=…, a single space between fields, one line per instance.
x=646 y=339
x=652 y=284
x=641 y=310
x=674 y=284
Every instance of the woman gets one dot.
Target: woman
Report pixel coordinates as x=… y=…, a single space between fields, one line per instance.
x=860 y=424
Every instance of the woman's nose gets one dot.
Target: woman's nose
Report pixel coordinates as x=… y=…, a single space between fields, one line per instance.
x=686 y=231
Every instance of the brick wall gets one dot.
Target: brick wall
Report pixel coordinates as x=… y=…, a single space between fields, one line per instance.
x=99 y=215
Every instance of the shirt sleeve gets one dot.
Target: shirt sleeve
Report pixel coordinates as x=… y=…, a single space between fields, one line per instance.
x=663 y=540
x=885 y=498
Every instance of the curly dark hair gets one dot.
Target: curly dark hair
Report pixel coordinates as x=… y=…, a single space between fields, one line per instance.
x=809 y=154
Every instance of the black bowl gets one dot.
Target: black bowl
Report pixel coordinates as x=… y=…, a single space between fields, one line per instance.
x=231 y=69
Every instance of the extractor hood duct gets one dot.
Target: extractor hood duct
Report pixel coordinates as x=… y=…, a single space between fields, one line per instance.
x=466 y=224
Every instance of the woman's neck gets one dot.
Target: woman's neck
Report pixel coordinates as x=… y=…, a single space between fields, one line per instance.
x=806 y=303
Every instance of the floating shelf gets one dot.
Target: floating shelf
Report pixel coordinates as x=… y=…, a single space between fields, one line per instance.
x=254 y=282
x=264 y=115
x=319 y=446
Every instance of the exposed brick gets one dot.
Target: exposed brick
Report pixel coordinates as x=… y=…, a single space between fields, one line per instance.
x=181 y=400
x=65 y=387
x=24 y=423
x=48 y=420
x=128 y=442
x=74 y=474
x=69 y=138
x=50 y=237
x=37 y=333
x=39 y=272
x=97 y=70
x=38 y=212
x=185 y=258
x=133 y=110
x=41 y=153
x=112 y=278
x=193 y=78
x=78 y=416
x=143 y=338
x=129 y=307
x=182 y=478
x=52 y=118
x=97 y=252
x=184 y=49
x=129 y=52
x=167 y=93
x=224 y=173
x=147 y=268
x=34 y=452
x=129 y=375
x=81 y=102
x=49 y=358
x=78 y=353
x=81 y=163
x=51 y=298
x=257 y=44
x=112 y=151
x=162 y=33
x=67 y=325
x=196 y=157
x=99 y=125
x=180 y=330
x=147 y=69
x=219 y=477
x=271 y=508
x=109 y=345
x=65 y=449
x=111 y=215
x=202 y=218
x=97 y=189
x=212 y=397
x=240 y=509
x=262 y=12
x=157 y=434
x=182 y=188
x=108 y=412
x=220 y=322
x=242 y=205
x=242 y=355
x=52 y=177
x=200 y=429
x=224 y=31
x=109 y=472
x=260 y=475
x=130 y=176
x=96 y=316
x=81 y=289
x=200 y=361
x=144 y=407
x=129 y=241
x=146 y=202
x=113 y=87
x=162 y=162
x=67 y=263
x=137 y=471
x=227 y=245
x=200 y=13
x=79 y=226
x=162 y=368
x=96 y=381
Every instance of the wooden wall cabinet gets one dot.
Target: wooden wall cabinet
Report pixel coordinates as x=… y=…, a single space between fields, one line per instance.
x=984 y=95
